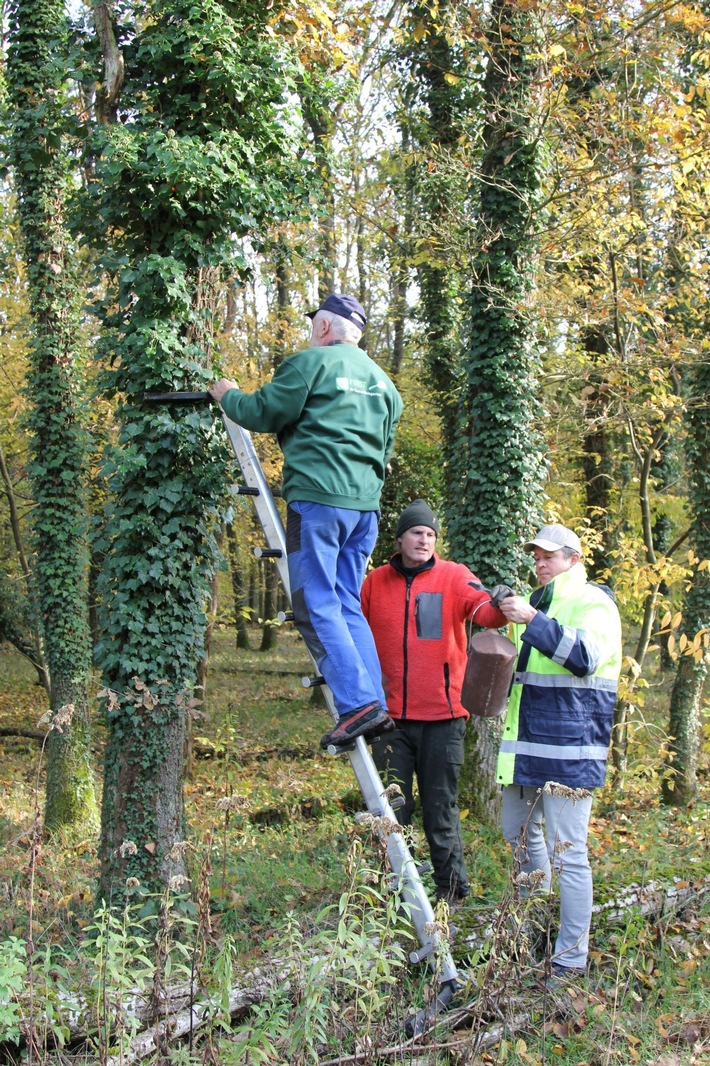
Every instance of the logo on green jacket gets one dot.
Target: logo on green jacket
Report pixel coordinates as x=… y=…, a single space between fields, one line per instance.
x=361 y=387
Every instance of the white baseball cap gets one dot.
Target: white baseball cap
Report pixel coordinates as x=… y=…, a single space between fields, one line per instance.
x=552 y=538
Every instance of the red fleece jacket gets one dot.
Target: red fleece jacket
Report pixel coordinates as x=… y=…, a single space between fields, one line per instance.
x=419 y=627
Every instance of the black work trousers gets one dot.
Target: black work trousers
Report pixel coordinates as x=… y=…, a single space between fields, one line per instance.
x=433 y=751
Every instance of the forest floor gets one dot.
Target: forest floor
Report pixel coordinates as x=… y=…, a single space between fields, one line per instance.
x=286 y=843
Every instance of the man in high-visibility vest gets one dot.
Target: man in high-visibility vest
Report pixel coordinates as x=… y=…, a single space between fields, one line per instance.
x=557 y=731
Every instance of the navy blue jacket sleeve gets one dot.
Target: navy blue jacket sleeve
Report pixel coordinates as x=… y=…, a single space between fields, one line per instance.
x=576 y=650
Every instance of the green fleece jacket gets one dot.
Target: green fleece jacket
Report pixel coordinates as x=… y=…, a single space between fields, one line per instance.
x=335 y=414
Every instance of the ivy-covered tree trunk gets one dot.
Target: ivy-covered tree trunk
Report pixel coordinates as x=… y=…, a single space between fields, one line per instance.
x=180 y=175
x=41 y=166
x=438 y=105
x=323 y=122
x=597 y=455
x=496 y=446
x=680 y=785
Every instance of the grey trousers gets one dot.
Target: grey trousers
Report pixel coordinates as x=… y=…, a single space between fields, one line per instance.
x=561 y=845
x=433 y=751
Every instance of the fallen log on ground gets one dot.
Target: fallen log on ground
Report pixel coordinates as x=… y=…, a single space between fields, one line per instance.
x=29 y=734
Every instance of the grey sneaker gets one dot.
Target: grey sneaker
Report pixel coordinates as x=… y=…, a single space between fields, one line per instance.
x=561 y=978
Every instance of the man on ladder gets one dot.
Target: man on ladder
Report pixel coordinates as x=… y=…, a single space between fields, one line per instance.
x=335 y=413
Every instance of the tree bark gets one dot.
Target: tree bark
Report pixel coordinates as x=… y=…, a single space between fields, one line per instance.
x=59 y=443
x=269 y=638
x=110 y=90
x=176 y=185
x=239 y=592
x=478 y=792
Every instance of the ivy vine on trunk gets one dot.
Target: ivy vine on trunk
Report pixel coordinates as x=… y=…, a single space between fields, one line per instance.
x=193 y=163
x=496 y=447
x=42 y=167
x=498 y=461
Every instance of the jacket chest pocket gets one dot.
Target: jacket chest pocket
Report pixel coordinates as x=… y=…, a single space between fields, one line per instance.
x=428 y=615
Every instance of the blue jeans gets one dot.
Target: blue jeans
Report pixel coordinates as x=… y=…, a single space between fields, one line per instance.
x=328 y=549
x=561 y=846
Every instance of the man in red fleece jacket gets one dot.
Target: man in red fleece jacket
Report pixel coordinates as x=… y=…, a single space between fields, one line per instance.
x=417 y=606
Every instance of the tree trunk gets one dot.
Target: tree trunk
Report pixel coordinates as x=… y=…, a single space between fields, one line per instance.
x=142 y=824
x=172 y=191
x=496 y=448
x=323 y=124
x=59 y=444
x=203 y=668
x=596 y=462
x=269 y=632
x=241 y=602
x=478 y=792
x=29 y=641
x=680 y=781
x=680 y=785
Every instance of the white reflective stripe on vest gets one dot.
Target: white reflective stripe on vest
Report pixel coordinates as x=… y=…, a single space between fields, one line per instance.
x=555 y=751
x=567 y=680
x=565 y=646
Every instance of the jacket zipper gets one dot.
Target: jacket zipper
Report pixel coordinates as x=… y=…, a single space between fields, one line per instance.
x=447 y=688
x=405 y=659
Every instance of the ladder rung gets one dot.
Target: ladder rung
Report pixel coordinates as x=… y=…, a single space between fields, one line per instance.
x=268 y=553
x=419 y=956
x=341 y=749
x=285 y=616
x=311 y=682
x=247 y=490
x=396 y=802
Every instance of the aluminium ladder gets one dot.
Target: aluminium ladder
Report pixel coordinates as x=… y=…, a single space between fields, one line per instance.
x=403 y=865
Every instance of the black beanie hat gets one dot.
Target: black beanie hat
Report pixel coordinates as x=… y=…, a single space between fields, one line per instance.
x=419 y=513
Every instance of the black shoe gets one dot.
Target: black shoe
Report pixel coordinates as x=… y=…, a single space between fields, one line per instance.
x=367 y=721
x=453 y=895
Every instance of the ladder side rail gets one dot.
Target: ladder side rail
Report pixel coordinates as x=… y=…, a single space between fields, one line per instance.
x=368 y=778
x=264 y=505
x=402 y=862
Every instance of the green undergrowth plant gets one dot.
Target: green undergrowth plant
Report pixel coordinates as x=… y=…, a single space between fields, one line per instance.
x=13 y=972
x=336 y=979
x=99 y=985
x=343 y=981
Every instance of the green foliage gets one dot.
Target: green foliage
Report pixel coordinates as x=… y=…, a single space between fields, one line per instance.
x=13 y=972
x=343 y=978
x=441 y=98
x=16 y=618
x=201 y=156
x=415 y=471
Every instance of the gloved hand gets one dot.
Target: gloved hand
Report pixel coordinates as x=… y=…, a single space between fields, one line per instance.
x=500 y=592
